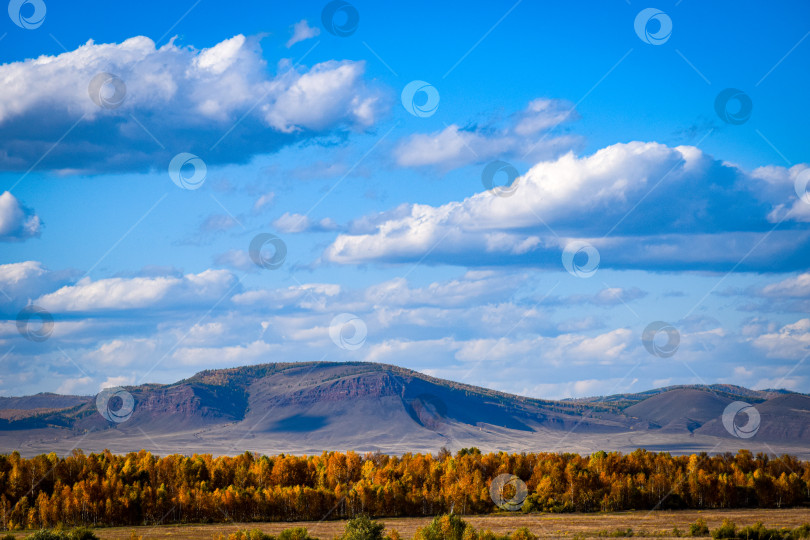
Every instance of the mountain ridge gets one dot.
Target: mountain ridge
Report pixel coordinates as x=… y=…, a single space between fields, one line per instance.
x=298 y=407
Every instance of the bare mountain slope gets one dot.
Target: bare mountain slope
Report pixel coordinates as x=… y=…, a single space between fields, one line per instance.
x=680 y=409
x=311 y=407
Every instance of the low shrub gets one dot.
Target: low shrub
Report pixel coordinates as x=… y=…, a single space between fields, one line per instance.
x=295 y=533
x=80 y=533
x=363 y=528
x=699 y=528
x=523 y=533
x=447 y=527
x=726 y=530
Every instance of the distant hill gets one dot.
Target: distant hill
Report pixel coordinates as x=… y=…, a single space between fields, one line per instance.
x=311 y=407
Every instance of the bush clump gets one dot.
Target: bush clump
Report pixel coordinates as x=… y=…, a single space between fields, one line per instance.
x=295 y=533
x=758 y=531
x=80 y=533
x=253 y=534
x=523 y=533
x=452 y=527
x=447 y=527
x=727 y=530
x=618 y=533
x=699 y=528
x=363 y=528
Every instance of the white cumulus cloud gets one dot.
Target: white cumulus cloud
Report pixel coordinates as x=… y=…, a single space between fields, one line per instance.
x=16 y=221
x=180 y=96
x=114 y=294
x=628 y=200
x=302 y=31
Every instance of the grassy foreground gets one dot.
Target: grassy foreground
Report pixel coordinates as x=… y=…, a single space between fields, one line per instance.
x=659 y=524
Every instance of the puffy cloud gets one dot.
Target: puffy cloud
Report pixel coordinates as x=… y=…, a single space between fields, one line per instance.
x=22 y=282
x=791 y=341
x=237 y=355
x=607 y=297
x=326 y=95
x=583 y=388
x=173 y=97
x=22 y=278
x=263 y=202
x=565 y=349
x=779 y=179
x=642 y=205
x=122 y=352
x=472 y=287
x=302 y=31
x=613 y=296
x=419 y=354
x=306 y=295
x=16 y=221
x=296 y=223
x=75 y=386
x=237 y=259
x=788 y=295
x=455 y=146
x=120 y=380
x=793 y=287
x=482 y=327
x=119 y=294
x=543 y=114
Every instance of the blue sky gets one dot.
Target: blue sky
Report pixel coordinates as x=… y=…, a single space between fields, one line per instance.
x=617 y=140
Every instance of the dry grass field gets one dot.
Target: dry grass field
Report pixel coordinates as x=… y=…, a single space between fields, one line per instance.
x=649 y=524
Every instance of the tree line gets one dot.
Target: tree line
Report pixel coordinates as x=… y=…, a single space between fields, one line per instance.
x=141 y=488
